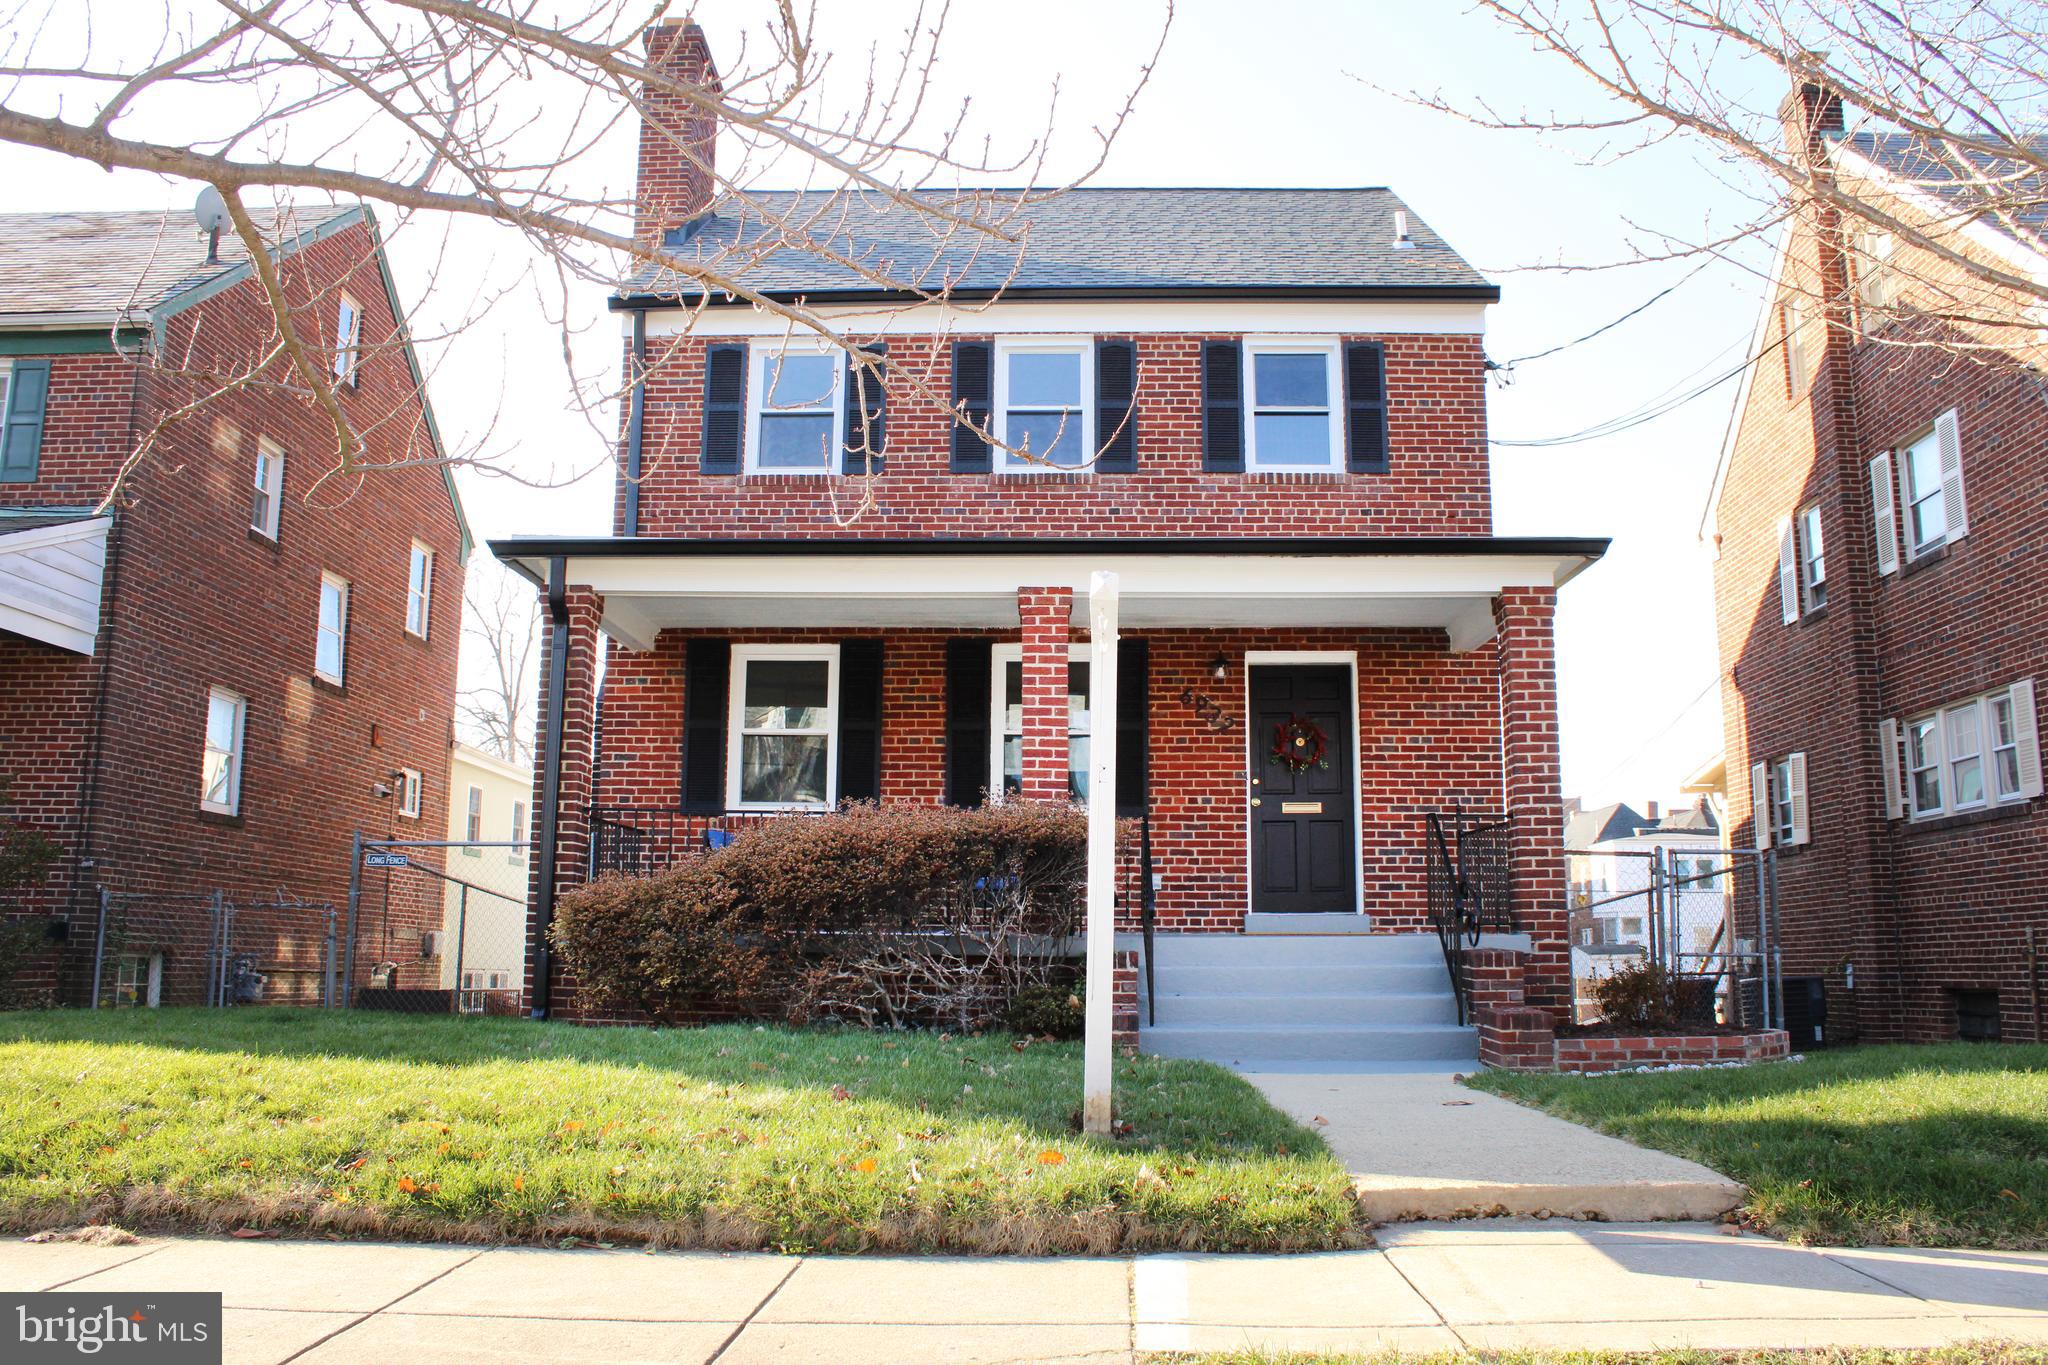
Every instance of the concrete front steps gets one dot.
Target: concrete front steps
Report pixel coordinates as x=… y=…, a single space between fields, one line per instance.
x=1269 y=998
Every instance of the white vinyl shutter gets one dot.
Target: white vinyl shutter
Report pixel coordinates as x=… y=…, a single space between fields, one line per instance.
x=1894 y=783
x=1797 y=766
x=1788 y=572
x=1884 y=514
x=2027 y=737
x=1760 y=802
x=1948 y=439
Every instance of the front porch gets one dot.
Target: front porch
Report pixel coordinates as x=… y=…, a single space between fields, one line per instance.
x=1288 y=715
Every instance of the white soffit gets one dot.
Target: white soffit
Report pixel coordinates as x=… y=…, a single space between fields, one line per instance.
x=1093 y=317
x=50 y=580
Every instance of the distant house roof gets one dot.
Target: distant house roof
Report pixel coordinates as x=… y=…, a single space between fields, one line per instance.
x=1966 y=181
x=1690 y=820
x=1589 y=827
x=95 y=267
x=1103 y=242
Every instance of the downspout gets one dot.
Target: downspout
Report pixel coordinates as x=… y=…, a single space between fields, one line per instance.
x=636 y=419
x=551 y=779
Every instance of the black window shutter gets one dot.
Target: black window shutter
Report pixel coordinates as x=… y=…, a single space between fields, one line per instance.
x=1223 y=407
x=865 y=395
x=1365 y=407
x=967 y=713
x=707 y=685
x=21 y=439
x=973 y=392
x=860 y=720
x=725 y=408
x=1116 y=406
x=1133 y=685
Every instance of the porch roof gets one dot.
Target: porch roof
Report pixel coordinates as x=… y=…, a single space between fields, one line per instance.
x=1445 y=582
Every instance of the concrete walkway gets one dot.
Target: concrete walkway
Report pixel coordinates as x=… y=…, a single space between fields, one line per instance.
x=1487 y=1285
x=1419 y=1145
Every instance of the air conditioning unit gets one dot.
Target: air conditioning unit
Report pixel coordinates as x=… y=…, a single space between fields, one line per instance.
x=430 y=943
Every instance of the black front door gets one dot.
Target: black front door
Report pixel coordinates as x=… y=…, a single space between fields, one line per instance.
x=1301 y=811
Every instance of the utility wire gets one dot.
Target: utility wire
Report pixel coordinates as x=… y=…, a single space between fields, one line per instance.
x=1668 y=727
x=1608 y=327
x=1614 y=426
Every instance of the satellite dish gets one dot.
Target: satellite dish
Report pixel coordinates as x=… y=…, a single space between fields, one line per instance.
x=211 y=210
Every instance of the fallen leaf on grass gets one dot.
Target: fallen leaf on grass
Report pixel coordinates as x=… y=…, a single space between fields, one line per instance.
x=865 y=1165
x=840 y=1092
x=408 y=1185
x=518 y=1182
x=1051 y=1156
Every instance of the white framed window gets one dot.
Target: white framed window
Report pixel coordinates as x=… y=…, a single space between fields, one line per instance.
x=1006 y=724
x=1792 y=317
x=1778 y=802
x=1966 y=756
x=796 y=409
x=473 y=828
x=139 y=981
x=419 y=590
x=1813 y=561
x=1295 y=399
x=1876 y=285
x=1781 y=801
x=1931 y=486
x=330 y=649
x=348 y=340
x=783 y=727
x=409 y=784
x=518 y=855
x=1788 y=570
x=220 y=778
x=1045 y=403
x=267 y=497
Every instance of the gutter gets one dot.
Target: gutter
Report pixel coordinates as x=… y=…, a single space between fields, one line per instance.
x=1461 y=293
x=636 y=421
x=550 y=782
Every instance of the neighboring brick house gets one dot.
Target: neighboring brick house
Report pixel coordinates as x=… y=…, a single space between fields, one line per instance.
x=1287 y=391
x=1877 y=522
x=209 y=680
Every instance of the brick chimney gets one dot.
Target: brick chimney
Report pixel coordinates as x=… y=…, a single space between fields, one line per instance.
x=1810 y=112
x=1652 y=813
x=678 y=144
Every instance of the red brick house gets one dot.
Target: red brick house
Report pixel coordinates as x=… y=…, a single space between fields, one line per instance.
x=210 y=681
x=1877 y=521
x=1265 y=410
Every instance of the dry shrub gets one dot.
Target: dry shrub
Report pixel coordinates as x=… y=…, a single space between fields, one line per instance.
x=1644 y=995
x=880 y=915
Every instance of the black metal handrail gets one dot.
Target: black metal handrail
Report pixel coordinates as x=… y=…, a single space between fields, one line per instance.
x=1470 y=887
x=639 y=841
x=1148 y=898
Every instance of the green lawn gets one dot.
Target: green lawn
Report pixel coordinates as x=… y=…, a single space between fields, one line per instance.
x=724 y=1137
x=1916 y=1146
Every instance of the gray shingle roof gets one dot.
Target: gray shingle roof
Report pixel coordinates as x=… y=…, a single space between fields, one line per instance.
x=1100 y=241
x=95 y=264
x=1967 y=181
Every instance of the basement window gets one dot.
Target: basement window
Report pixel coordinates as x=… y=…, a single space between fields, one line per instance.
x=1976 y=1016
x=139 y=981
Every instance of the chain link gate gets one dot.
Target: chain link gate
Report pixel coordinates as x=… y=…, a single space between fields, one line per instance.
x=1709 y=915
x=205 y=948
x=435 y=926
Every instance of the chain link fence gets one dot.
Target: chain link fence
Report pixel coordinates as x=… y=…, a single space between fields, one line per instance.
x=436 y=927
x=206 y=948
x=1708 y=914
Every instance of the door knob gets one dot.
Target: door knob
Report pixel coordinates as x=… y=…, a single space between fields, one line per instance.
x=1255 y=800
x=1255 y=782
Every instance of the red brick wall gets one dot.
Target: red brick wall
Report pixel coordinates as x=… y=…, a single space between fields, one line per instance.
x=1045 y=613
x=1919 y=909
x=197 y=600
x=1438 y=484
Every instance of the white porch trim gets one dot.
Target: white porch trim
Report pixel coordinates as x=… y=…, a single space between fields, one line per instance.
x=50 y=581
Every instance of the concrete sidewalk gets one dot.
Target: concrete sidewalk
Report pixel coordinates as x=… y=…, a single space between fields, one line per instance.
x=1485 y=1285
x=1419 y=1145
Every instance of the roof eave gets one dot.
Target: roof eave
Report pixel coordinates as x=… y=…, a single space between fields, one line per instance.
x=1382 y=293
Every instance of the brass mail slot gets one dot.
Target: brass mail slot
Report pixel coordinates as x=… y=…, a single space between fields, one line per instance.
x=1301 y=808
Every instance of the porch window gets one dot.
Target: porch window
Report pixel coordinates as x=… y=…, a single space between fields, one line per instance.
x=220 y=785
x=1044 y=395
x=1008 y=726
x=1295 y=420
x=796 y=412
x=783 y=727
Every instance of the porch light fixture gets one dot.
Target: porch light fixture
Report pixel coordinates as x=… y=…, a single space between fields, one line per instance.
x=1219 y=667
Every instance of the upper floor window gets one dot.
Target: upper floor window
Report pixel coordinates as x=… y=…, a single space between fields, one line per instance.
x=1007 y=727
x=1295 y=418
x=1778 y=805
x=410 y=783
x=473 y=825
x=518 y=831
x=1965 y=756
x=1876 y=283
x=783 y=727
x=1931 y=487
x=1792 y=317
x=220 y=777
x=267 y=496
x=348 y=340
x=24 y=397
x=1044 y=403
x=419 y=590
x=797 y=411
x=330 y=651
x=1813 y=562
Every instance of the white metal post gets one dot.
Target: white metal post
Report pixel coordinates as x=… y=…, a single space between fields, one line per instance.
x=1096 y=1104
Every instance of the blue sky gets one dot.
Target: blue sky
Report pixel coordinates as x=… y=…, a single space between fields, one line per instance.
x=1278 y=93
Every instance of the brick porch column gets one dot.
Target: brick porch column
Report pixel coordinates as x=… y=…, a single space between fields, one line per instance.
x=1045 y=613
x=568 y=859
x=1529 y=771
